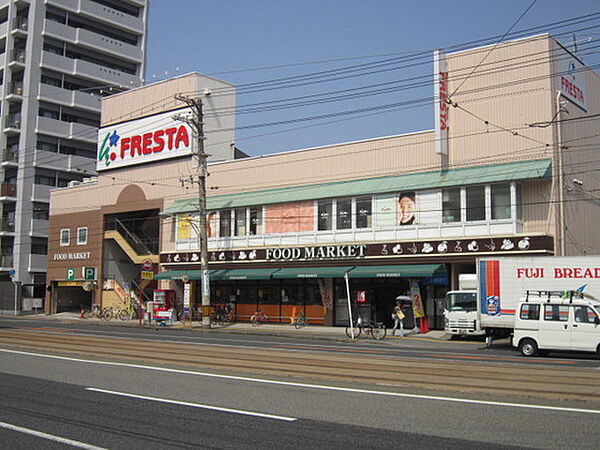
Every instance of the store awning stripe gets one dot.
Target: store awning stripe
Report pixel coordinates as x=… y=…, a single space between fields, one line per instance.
x=312 y=272
x=402 y=271
x=180 y=274
x=491 y=173
x=243 y=274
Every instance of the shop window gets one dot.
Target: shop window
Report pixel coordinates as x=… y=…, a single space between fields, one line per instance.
x=364 y=212
x=500 y=201
x=256 y=220
x=325 y=211
x=225 y=223
x=82 y=235
x=475 y=203
x=240 y=222
x=451 y=205
x=344 y=214
x=65 y=236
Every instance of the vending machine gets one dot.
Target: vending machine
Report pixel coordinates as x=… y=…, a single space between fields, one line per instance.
x=163 y=305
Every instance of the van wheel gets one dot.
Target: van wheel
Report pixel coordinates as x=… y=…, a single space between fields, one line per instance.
x=598 y=350
x=528 y=347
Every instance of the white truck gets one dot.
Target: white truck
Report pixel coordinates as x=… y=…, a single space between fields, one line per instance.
x=502 y=282
x=460 y=308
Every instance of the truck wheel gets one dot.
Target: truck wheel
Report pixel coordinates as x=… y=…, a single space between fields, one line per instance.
x=528 y=347
x=598 y=350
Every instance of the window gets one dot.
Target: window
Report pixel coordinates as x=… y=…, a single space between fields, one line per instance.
x=451 y=205
x=240 y=222
x=530 y=311
x=225 y=223
x=82 y=235
x=583 y=314
x=556 y=313
x=324 y=211
x=256 y=220
x=344 y=214
x=39 y=246
x=364 y=212
x=65 y=236
x=519 y=201
x=475 y=203
x=501 y=201
x=41 y=211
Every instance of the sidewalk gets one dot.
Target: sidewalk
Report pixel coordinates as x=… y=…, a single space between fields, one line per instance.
x=311 y=331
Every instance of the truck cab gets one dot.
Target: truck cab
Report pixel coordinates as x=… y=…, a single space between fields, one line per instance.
x=556 y=320
x=460 y=309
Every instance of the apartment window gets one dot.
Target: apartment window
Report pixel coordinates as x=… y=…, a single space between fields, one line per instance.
x=325 y=212
x=65 y=236
x=41 y=211
x=240 y=222
x=451 y=205
x=39 y=246
x=364 y=212
x=225 y=223
x=475 y=203
x=256 y=220
x=500 y=201
x=344 y=214
x=82 y=235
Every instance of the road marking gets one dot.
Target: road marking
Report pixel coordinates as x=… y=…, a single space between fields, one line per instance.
x=196 y=405
x=50 y=437
x=489 y=358
x=309 y=386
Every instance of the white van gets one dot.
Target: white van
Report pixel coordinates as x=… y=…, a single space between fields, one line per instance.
x=546 y=320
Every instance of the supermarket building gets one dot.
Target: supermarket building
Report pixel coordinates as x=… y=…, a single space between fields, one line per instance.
x=510 y=169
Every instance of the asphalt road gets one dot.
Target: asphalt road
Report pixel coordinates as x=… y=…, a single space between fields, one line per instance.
x=47 y=401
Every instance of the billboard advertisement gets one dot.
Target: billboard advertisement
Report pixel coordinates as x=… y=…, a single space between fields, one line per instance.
x=572 y=81
x=144 y=140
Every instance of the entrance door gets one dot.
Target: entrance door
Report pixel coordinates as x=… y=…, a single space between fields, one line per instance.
x=585 y=334
x=554 y=328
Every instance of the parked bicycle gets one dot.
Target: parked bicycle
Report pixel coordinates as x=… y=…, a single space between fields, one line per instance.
x=376 y=330
x=300 y=321
x=258 y=318
x=95 y=312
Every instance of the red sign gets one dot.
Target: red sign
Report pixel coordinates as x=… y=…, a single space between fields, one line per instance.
x=147 y=266
x=361 y=296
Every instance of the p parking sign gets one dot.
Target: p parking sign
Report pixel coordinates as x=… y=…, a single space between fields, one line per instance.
x=70 y=274
x=89 y=273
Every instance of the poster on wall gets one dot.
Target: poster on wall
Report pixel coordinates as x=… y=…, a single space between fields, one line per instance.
x=406 y=208
x=184 y=227
x=211 y=224
x=290 y=218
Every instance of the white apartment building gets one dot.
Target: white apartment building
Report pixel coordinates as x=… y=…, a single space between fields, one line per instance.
x=57 y=58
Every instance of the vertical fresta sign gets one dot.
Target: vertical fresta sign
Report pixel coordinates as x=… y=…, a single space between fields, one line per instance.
x=440 y=95
x=572 y=81
x=148 y=139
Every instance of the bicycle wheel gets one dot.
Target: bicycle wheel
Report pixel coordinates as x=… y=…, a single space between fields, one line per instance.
x=123 y=315
x=86 y=314
x=255 y=321
x=357 y=331
x=107 y=314
x=378 y=331
x=229 y=317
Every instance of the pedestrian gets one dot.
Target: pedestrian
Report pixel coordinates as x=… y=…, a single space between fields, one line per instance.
x=398 y=316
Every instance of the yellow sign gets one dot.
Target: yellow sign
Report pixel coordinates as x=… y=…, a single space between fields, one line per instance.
x=416 y=299
x=70 y=283
x=184 y=227
x=147 y=275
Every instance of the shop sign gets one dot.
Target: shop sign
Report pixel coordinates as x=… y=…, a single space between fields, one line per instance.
x=361 y=296
x=70 y=283
x=413 y=249
x=147 y=265
x=70 y=274
x=572 y=81
x=88 y=273
x=147 y=275
x=148 y=139
x=71 y=256
x=440 y=84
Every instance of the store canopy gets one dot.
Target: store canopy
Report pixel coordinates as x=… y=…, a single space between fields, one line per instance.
x=312 y=272
x=242 y=274
x=179 y=275
x=405 y=271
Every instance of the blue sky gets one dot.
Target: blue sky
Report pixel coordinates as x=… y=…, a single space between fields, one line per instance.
x=254 y=41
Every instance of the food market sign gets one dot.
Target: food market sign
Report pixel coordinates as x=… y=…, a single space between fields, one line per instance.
x=145 y=140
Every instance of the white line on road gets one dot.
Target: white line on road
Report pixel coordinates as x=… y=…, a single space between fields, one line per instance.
x=309 y=386
x=50 y=437
x=196 y=405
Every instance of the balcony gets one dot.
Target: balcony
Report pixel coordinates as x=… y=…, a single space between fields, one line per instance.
x=102 y=13
x=70 y=130
x=65 y=97
x=20 y=25
x=13 y=123
x=17 y=56
x=37 y=263
x=16 y=90
x=40 y=192
x=6 y=260
x=39 y=227
x=3 y=29
x=65 y=163
x=8 y=190
x=7 y=225
x=94 y=41
x=10 y=156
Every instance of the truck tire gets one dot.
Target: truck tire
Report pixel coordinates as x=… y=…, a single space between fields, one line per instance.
x=528 y=347
x=598 y=350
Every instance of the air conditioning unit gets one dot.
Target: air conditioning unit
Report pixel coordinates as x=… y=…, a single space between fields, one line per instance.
x=73 y=183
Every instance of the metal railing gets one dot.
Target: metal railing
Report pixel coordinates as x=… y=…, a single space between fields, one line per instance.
x=17 y=55
x=13 y=120
x=8 y=190
x=20 y=23
x=10 y=155
x=6 y=260
x=16 y=88
x=140 y=245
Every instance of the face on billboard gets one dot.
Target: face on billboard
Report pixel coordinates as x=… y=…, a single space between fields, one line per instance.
x=406 y=208
x=148 y=139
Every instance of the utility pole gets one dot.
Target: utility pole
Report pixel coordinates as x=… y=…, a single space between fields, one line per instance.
x=196 y=122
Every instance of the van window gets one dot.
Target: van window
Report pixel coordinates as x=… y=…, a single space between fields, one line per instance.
x=530 y=311
x=556 y=313
x=583 y=314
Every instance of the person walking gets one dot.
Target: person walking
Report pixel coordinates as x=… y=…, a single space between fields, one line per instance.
x=398 y=316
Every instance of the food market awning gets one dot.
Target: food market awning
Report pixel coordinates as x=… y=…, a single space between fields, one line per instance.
x=243 y=274
x=312 y=272
x=403 y=271
x=179 y=275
